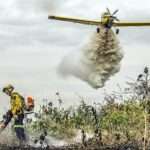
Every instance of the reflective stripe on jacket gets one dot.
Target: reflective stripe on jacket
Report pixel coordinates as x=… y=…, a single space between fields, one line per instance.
x=18 y=126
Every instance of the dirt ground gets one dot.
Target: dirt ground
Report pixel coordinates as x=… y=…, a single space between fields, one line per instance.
x=124 y=146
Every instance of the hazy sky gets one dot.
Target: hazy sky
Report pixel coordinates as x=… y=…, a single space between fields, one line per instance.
x=31 y=46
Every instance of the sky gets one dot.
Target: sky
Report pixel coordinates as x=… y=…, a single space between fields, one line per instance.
x=31 y=46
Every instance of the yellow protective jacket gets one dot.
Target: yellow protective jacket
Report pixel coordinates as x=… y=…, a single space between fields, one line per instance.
x=17 y=103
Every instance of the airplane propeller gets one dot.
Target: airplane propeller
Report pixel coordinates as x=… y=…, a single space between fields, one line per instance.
x=113 y=14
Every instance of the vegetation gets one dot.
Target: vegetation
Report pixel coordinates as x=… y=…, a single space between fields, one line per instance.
x=122 y=117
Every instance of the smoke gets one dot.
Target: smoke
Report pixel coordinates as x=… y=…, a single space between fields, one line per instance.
x=96 y=62
x=36 y=6
x=8 y=138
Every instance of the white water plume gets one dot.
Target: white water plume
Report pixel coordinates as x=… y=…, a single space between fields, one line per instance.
x=96 y=62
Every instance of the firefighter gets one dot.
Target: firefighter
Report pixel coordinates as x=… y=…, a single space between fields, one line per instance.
x=16 y=111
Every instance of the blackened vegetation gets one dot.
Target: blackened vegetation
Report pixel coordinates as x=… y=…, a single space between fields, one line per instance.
x=41 y=139
x=89 y=146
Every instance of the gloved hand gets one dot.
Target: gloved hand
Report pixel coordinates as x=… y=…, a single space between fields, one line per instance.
x=2 y=126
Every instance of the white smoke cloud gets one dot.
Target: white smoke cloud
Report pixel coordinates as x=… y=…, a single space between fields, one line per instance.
x=36 y=6
x=97 y=62
x=24 y=9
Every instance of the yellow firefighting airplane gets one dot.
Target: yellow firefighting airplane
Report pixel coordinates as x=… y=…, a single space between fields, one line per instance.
x=108 y=20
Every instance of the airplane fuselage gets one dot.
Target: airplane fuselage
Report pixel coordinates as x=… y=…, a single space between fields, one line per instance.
x=107 y=21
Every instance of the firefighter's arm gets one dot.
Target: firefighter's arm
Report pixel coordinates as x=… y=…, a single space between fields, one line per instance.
x=6 y=119
x=16 y=105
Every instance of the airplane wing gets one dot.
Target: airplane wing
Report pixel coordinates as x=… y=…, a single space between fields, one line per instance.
x=131 y=24
x=98 y=23
x=75 y=20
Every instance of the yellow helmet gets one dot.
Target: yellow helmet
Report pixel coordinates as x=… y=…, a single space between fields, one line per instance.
x=9 y=87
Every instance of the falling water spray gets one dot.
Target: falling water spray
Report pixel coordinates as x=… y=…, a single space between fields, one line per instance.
x=97 y=61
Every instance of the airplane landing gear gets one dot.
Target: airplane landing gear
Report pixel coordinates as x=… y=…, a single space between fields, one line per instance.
x=98 y=30
x=117 y=31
